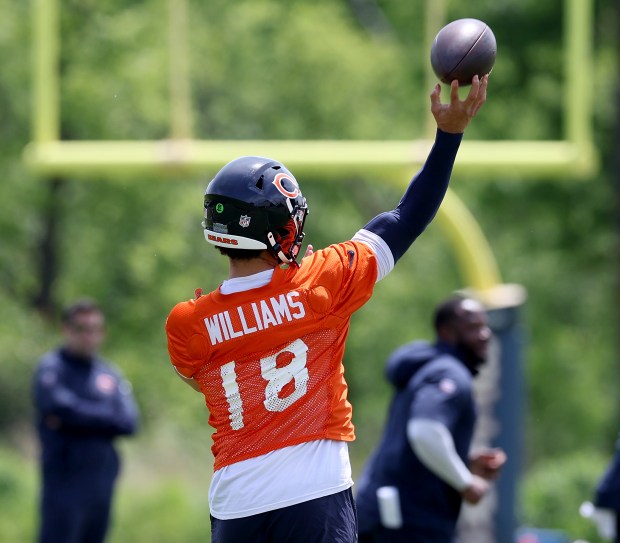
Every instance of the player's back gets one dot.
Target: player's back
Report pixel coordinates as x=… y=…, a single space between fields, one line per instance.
x=269 y=359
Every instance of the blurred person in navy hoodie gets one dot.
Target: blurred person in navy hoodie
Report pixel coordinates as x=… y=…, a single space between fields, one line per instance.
x=414 y=484
x=82 y=404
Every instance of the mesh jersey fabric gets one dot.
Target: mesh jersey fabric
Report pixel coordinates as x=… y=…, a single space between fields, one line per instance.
x=269 y=360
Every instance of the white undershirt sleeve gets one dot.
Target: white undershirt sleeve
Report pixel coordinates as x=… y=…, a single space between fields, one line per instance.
x=433 y=444
x=385 y=259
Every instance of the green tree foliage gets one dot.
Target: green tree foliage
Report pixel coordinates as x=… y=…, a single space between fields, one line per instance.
x=294 y=70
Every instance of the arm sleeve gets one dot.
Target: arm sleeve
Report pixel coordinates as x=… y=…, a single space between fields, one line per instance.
x=383 y=254
x=433 y=445
x=401 y=226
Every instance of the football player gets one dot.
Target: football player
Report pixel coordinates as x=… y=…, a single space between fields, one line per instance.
x=266 y=347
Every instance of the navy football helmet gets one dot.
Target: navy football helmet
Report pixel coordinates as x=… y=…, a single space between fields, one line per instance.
x=255 y=203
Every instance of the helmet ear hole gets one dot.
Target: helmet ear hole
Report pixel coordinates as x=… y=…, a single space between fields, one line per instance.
x=259 y=182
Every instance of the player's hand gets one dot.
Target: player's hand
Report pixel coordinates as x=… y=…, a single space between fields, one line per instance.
x=454 y=116
x=309 y=251
x=476 y=490
x=487 y=463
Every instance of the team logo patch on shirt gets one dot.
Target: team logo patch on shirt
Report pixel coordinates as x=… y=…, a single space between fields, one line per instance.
x=447 y=386
x=244 y=221
x=105 y=383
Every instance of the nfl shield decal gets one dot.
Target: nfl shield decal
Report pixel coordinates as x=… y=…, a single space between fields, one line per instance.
x=244 y=221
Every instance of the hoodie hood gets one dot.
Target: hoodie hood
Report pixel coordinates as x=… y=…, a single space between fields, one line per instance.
x=409 y=358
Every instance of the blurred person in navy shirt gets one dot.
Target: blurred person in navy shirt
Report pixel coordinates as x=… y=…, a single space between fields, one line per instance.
x=82 y=404
x=413 y=486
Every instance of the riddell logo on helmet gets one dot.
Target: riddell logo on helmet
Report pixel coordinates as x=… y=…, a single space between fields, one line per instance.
x=220 y=239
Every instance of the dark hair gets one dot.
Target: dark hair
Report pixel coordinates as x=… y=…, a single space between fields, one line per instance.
x=82 y=305
x=240 y=254
x=447 y=311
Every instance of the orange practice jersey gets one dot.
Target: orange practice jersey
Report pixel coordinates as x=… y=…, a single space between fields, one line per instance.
x=269 y=360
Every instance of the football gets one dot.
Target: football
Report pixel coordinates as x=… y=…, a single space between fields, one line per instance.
x=462 y=49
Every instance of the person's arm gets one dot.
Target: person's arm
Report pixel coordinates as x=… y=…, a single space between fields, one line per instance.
x=179 y=333
x=433 y=445
x=126 y=409
x=188 y=380
x=399 y=227
x=62 y=409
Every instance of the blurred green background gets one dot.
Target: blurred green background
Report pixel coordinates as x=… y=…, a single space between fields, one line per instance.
x=300 y=69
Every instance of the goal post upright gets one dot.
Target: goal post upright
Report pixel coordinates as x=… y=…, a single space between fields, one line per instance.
x=46 y=85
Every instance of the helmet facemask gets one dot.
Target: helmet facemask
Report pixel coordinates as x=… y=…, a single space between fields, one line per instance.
x=286 y=241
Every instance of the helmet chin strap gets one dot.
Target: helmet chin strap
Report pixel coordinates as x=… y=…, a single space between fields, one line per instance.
x=277 y=249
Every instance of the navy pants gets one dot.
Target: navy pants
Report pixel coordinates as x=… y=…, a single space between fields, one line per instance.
x=331 y=519
x=74 y=511
x=403 y=535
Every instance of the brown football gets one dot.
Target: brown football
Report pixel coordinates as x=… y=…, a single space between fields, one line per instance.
x=462 y=49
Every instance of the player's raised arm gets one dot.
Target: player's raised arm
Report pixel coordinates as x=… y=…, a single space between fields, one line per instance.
x=392 y=233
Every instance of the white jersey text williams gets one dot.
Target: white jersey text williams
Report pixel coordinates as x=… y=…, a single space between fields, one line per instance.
x=254 y=317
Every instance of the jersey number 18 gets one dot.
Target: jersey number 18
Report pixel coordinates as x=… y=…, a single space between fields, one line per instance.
x=277 y=379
